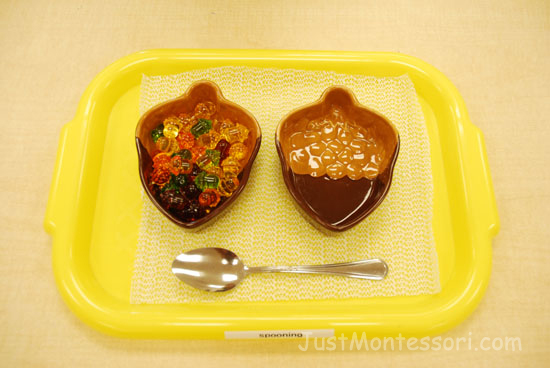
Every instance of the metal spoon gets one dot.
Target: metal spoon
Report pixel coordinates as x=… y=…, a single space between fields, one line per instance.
x=218 y=269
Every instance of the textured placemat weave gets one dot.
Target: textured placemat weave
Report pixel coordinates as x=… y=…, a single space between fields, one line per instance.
x=263 y=226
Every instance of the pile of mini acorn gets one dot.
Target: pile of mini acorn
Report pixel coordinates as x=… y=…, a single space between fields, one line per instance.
x=197 y=162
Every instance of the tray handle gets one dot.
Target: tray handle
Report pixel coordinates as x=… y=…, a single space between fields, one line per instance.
x=480 y=184
x=63 y=176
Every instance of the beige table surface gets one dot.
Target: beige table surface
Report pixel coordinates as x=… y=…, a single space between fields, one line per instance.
x=496 y=53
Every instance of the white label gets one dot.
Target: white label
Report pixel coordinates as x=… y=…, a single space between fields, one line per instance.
x=278 y=334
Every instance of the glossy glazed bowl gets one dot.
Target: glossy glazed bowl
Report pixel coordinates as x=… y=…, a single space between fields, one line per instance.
x=338 y=204
x=198 y=92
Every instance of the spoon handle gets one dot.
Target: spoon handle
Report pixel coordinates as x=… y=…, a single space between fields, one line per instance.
x=371 y=269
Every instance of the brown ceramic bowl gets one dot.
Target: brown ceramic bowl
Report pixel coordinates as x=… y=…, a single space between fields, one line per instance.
x=198 y=92
x=338 y=204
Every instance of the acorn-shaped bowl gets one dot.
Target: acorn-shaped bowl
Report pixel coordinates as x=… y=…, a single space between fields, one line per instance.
x=226 y=114
x=337 y=158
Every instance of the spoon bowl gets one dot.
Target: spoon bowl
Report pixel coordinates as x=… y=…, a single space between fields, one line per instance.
x=219 y=269
x=210 y=269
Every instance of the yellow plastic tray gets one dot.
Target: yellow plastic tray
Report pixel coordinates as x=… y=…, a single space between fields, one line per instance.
x=94 y=207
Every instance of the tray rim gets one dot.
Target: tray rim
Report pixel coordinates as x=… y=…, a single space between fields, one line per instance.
x=114 y=317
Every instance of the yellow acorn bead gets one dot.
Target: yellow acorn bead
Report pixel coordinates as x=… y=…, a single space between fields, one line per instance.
x=231 y=167
x=238 y=133
x=216 y=170
x=205 y=110
x=168 y=145
x=228 y=185
x=220 y=125
x=238 y=150
x=174 y=120
x=170 y=131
